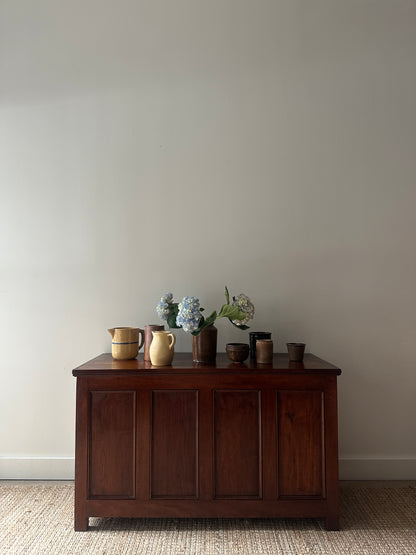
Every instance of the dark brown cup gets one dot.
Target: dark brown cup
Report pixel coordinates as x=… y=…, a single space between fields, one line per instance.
x=296 y=351
x=148 y=338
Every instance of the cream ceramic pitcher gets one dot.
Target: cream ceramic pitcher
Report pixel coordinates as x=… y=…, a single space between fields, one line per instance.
x=125 y=344
x=161 y=350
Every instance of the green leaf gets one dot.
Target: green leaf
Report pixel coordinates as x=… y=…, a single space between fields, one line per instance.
x=211 y=319
x=204 y=323
x=231 y=312
x=227 y=295
x=171 y=319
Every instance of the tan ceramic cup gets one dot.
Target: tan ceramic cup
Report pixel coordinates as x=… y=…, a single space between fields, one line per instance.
x=264 y=350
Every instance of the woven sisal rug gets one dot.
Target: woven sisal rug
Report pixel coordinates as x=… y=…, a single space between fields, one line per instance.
x=38 y=519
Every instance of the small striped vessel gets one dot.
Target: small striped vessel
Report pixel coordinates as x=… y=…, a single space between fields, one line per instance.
x=125 y=344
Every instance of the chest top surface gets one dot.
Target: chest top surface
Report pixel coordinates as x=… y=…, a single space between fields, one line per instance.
x=105 y=365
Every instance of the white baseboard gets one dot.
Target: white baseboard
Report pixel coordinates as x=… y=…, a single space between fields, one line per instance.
x=377 y=469
x=37 y=468
x=62 y=468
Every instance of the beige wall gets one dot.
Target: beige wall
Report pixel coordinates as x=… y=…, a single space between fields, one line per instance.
x=155 y=146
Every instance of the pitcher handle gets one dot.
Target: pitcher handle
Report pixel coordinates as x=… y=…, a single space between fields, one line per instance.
x=141 y=334
x=172 y=343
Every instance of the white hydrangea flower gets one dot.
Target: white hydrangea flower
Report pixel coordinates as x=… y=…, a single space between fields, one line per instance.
x=163 y=307
x=245 y=305
x=189 y=315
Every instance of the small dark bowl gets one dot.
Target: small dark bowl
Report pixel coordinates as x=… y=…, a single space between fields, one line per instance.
x=237 y=352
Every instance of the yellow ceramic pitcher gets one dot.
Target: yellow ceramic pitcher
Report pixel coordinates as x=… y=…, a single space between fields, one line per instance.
x=161 y=350
x=125 y=344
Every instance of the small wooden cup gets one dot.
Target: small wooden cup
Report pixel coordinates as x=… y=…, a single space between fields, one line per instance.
x=264 y=351
x=296 y=351
x=253 y=337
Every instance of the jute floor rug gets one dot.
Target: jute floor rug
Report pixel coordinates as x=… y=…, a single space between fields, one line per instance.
x=38 y=519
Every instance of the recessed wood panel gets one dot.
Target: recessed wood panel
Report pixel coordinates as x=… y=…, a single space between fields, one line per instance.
x=112 y=432
x=174 y=444
x=300 y=444
x=237 y=444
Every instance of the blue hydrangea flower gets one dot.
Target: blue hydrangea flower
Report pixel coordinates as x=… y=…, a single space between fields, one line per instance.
x=189 y=315
x=246 y=306
x=163 y=307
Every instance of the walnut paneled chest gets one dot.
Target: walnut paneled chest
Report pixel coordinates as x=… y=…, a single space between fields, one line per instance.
x=223 y=440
